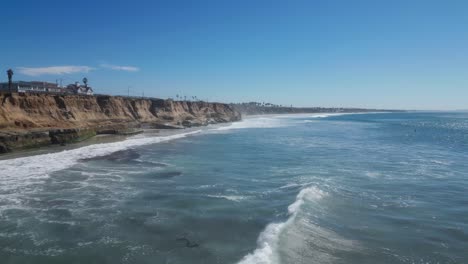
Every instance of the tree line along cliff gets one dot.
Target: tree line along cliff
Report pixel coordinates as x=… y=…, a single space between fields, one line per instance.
x=31 y=120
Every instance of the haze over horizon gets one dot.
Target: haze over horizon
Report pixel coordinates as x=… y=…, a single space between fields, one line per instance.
x=398 y=55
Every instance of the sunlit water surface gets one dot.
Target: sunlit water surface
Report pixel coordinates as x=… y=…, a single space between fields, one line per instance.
x=364 y=188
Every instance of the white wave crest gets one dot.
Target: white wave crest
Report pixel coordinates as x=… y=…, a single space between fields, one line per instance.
x=267 y=243
x=257 y=122
x=273 y=121
x=234 y=198
x=313 y=115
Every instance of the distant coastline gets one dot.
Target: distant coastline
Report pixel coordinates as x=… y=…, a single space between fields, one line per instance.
x=255 y=108
x=32 y=120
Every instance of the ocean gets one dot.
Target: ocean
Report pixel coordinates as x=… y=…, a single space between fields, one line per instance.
x=313 y=188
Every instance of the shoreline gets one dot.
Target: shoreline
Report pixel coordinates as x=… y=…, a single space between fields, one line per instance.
x=98 y=139
x=151 y=132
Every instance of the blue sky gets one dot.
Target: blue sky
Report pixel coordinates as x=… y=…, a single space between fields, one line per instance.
x=379 y=54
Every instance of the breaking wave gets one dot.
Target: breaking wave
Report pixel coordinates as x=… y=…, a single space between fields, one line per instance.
x=313 y=115
x=257 y=122
x=300 y=239
x=268 y=241
x=276 y=121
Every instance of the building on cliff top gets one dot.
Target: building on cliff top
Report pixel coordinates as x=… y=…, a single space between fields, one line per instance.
x=32 y=87
x=45 y=87
x=76 y=88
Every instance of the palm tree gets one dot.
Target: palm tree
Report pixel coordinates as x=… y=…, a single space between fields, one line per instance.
x=10 y=77
x=85 y=81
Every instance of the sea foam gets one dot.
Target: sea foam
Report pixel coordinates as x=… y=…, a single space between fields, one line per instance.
x=274 y=121
x=234 y=198
x=312 y=115
x=268 y=241
x=21 y=171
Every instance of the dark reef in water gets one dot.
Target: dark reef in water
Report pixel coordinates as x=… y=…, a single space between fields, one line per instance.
x=168 y=174
x=188 y=243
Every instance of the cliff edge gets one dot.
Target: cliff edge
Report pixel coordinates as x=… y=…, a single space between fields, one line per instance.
x=31 y=120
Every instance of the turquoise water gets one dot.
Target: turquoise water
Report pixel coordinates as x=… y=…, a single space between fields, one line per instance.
x=363 y=188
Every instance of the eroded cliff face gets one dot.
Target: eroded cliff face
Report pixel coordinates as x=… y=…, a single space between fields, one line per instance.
x=38 y=119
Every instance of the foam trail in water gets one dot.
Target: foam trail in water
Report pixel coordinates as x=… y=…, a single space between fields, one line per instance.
x=267 y=243
x=16 y=172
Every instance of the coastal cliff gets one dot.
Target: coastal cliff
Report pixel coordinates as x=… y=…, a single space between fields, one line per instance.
x=31 y=120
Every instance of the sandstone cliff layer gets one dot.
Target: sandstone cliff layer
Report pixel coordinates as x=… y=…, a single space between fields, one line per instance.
x=29 y=120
